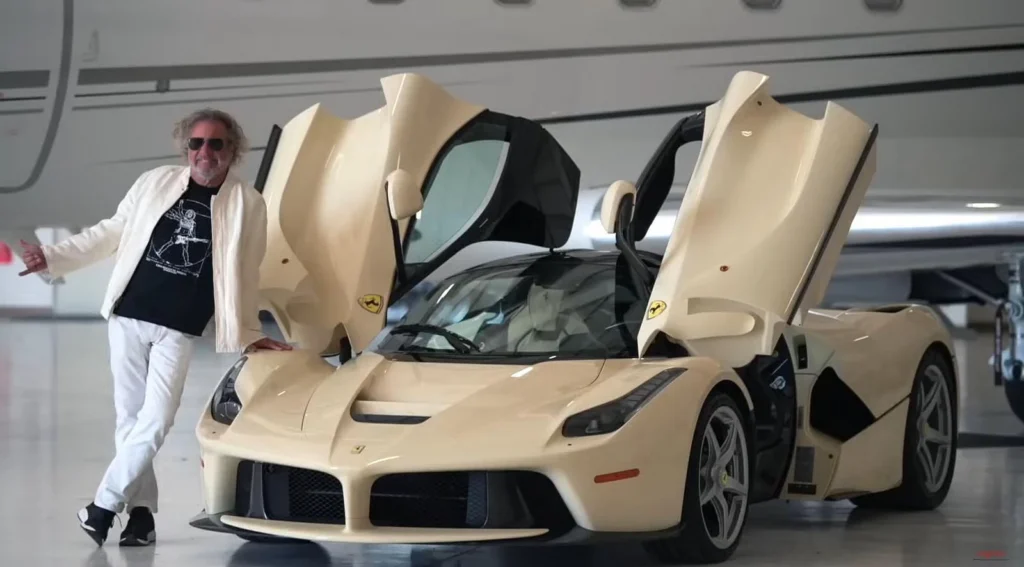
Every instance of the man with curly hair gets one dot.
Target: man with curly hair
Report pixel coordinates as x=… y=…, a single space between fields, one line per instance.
x=188 y=240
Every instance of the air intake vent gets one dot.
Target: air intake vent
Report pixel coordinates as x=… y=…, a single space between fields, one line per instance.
x=288 y=494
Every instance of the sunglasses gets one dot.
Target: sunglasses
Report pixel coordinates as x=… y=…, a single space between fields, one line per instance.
x=216 y=144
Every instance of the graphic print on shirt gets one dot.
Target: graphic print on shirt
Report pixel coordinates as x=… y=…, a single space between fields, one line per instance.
x=185 y=250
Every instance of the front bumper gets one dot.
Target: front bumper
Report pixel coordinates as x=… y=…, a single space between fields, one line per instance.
x=455 y=506
x=407 y=508
x=410 y=485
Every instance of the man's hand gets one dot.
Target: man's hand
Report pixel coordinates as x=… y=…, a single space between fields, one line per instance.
x=267 y=343
x=35 y=261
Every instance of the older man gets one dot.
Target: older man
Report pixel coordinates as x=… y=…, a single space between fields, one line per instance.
x=188 y=242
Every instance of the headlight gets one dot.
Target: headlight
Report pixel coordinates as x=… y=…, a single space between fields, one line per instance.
x=612 y=415
x=225 y=405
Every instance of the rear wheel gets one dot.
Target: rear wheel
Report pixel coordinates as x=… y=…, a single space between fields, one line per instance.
x=929 y=443
x=1015 y=396
x=717 y=481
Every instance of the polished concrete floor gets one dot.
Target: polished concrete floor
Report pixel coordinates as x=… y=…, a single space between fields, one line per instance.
x=56 y=423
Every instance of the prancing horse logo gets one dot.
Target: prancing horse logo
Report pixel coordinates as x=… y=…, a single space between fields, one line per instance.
x=371 y=302
x=656 y=308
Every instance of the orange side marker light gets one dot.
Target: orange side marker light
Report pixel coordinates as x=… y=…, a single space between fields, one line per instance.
x=612 y=477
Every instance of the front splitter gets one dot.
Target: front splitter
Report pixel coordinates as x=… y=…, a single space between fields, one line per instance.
x=258 y=528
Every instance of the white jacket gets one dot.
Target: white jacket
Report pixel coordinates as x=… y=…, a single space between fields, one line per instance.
x=239 y=229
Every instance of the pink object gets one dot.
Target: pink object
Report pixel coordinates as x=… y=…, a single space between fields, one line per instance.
x=6 y=256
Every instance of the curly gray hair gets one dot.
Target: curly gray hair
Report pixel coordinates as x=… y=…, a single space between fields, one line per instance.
x=236 y=141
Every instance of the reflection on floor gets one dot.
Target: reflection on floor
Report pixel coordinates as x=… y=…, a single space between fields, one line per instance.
x=56 y=423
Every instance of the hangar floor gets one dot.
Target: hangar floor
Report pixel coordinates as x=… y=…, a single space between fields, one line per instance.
x=56 y=423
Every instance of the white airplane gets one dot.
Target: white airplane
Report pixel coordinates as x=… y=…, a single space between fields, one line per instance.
x=89 y=91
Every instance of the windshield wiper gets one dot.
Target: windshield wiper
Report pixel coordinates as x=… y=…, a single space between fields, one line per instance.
x=461 y=344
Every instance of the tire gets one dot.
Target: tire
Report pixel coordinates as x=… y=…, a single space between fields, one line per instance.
x=1015 y=396
x=695 y=543
x=919 y=489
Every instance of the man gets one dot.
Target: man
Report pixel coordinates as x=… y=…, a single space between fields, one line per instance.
x=188 y=242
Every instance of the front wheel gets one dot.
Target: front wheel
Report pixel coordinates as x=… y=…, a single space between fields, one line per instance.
x=715 y=503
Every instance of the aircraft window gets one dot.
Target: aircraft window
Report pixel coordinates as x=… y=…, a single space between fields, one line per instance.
x=637 y=3
x=457 y=194
x=762 y=4
x=883 y=5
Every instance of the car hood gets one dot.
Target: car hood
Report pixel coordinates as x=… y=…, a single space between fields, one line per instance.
x=373 y=408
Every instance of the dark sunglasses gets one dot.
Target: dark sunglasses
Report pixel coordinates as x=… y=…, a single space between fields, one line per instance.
x=216 y=144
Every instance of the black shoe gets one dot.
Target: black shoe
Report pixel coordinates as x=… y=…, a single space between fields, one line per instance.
x=96 y=522
x=140 y=530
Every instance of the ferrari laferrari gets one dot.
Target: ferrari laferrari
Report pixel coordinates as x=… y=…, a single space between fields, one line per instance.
x=568 y=395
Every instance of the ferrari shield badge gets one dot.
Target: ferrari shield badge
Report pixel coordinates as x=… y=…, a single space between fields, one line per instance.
x=656 y=308
x=371 y=302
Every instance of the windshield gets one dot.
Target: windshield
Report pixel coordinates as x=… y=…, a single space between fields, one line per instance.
x=549 y=306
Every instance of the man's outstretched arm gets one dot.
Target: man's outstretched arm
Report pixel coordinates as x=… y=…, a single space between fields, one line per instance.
x=87 y=247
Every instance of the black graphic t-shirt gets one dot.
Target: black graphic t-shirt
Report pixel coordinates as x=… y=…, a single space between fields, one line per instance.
x=173 y=283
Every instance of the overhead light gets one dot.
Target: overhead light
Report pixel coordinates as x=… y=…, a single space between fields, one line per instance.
x=983 y=205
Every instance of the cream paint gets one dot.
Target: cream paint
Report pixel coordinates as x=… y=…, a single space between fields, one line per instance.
x=326 y=185
x=762 y=222
x=510 y=417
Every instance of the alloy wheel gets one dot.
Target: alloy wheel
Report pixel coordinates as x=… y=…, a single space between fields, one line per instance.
x=724 y=477
x=934 y=428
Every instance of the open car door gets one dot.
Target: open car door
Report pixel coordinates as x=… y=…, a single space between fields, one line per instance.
x=764 y=217
x=361 y=210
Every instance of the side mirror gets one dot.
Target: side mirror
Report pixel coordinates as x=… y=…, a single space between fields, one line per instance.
x=404 y=197
x=404 y=201
x=612 y=203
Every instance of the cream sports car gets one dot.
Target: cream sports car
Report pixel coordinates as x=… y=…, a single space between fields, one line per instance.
x=558 y=395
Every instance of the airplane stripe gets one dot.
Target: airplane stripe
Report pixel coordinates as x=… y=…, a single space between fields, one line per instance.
x=120 y=75
x=167 y=157
x=888 y=89
x=24 y=79
x=166 y=102
x=25 y=111
x=878 y=55
x=910 y=87
x=943 y=242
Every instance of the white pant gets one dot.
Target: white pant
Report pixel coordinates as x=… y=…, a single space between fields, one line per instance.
x=149 y=364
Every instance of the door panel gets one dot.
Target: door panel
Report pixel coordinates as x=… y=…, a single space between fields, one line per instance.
x=758 y=233
x=331 y=267
x=330 y=261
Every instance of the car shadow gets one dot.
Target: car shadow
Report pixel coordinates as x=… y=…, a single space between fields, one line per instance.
x=274 y=554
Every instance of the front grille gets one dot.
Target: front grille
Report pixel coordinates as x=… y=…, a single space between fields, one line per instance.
x=288 y=494
x=421 y=500
x=468 y=499
x=457 y=499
